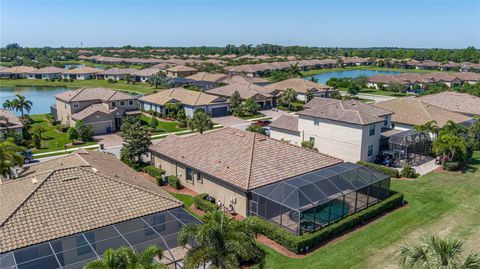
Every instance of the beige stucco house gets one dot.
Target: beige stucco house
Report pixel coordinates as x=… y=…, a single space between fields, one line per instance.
x=261 y=95
x=49 y=72
x=347 y=129
x=81 y=73
x=8 y=120
x=101 y=108
x=302 y=87
x=181 y=71
x=228 y=163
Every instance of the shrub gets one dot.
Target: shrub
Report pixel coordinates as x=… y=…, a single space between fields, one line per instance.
x=154 y=171
x=380 y=168
x=174 y=182
x=409 y=172
x=451 y=166
x=308 y=144
x=303 y=243
x=202 y=204
x=62 y=128
x=111 y=80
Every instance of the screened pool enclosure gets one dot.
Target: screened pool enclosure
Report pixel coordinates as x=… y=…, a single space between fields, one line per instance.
x=311 y=201
x=409 y=146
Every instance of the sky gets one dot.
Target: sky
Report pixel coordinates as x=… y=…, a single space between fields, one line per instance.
x=341 y=23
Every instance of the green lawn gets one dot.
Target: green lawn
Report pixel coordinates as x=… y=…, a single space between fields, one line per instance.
x=164 y=126
x=52 y=138
x=439 y=202
x=142 y=88
x=187 y=201
x=256 y=115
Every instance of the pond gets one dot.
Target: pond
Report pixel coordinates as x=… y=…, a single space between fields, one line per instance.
x=322 y=78
x=41 y=97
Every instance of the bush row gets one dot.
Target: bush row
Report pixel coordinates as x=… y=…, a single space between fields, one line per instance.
x=154 y=171
x=383 y=169
x=202 y=204
x=174 y=182
x=303 y=243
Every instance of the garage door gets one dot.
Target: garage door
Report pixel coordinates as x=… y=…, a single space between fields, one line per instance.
x=219 y=111
x=101 y=127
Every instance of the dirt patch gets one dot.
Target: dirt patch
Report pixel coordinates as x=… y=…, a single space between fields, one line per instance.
x=185 y=191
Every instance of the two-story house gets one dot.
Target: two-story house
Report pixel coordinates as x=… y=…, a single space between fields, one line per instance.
x=346 y=129
x=101 y=108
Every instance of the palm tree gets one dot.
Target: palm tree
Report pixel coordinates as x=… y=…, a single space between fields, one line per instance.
x=125 y=257
x=430 y=127
x=437 y=253
x=7 y=105
x=20 y=103
x=449 y=145
x=9 y=156
x=314 y=79
x=474 y=130
x=200 y=121
x=453 y=128
x=288 y=97
x=221 y=241
x=294 y=71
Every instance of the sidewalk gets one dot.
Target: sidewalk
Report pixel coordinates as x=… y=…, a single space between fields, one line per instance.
x=64 y=151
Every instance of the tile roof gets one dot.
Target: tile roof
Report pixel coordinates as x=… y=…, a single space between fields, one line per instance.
x=118 y=71
x=211 y=77
x=10 y=118
x=299 y=85
x=454 y=101
x=94 y=108
x=243 y=79
x=19 y=70
x=181 y=68
x=146 y=72
x=240 y=158
x=184 y=96
x=83 y=70
x=413 y=111
x=245 y=90
x=349 y=111
x=286 y=122
x=73 y=199
x=48 y=70
x=90 y=94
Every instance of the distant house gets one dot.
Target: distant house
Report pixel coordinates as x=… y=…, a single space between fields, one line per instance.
x=115 y=73
x=145 y=74
x=16 y=72
x=346 y=129
x=240 y=78
x=208 y=77
x=464 y=103
x=409 y=112
x=50 y=72
x=101 y=108
x=9 y=121
x=181 y=71
x=302 y=87
x=190 y=100
x=81 y=73
x=257 y=93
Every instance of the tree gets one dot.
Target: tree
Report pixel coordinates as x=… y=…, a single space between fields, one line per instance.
x=353 y=89
x=313 y=79
x=200 y=121
x=250 y=107
x=309 y=95
x=308 y=144
x=395 y=87
x=289 y=96
x=85 y=132
x=125 y=257
x=430 y=127
x=450 y=146
x=221 y=241
x=72 y=134
x=8 y=105
x=235 y=101
x=255 y=128
x=136 y=142
x=452 y=128
x=38 y=130
x=474 y=130
x=437 y=253
x=37 y=141
x=9 y=156
x=182 y=118
x=153 y=122
x=20 y=103
x=336 y=95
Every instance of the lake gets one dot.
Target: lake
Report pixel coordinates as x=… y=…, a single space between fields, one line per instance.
x=41 y=97
x=322 y=78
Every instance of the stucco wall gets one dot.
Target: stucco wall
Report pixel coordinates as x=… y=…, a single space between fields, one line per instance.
x=288 y=136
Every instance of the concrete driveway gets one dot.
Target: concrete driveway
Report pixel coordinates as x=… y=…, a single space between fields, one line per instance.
x=230 y=121
x=109 y=140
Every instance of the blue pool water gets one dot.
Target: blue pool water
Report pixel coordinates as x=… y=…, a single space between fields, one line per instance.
x=322 y=78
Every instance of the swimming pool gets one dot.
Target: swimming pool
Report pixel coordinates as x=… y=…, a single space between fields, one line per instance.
x=315 y=217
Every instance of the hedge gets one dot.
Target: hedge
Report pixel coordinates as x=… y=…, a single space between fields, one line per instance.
x=202 y=204
x=154 y=171
x=451 y=166
x=303 y=243
x=174 y=182
x=383 y=169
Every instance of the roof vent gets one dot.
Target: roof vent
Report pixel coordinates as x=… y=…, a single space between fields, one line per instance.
x=241 y=135
x=34 y=180
x=262 y=139
x=70 y=178
x=94 y=169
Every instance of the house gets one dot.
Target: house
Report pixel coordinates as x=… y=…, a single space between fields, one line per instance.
x=346 y=129
x=8 y=120
x=468 y=77
x=16 y=72
x=409 y=112
x=240 y=78
x=302 y=87
x=81 y=73
x=181 y=71
x=101 y=108
x=145 y=74
x=446 y=78
x=257 y=93
x=208 y=77
x=255 y=175
x=65 y=212
x=115 y=73
x=49 y=72
x=190 y=101
x=463 y=103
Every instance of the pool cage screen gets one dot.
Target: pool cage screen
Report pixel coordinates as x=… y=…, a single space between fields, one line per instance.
x=311 y=201
x=409 y=146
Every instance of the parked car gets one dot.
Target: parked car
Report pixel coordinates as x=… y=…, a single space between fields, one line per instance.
x=27 y=156
x=263 y=122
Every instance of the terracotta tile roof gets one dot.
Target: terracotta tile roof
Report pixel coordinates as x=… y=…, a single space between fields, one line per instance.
x=118 y=71
x=90 y=94
x=468 y=76
x=184 y=96
x=245 y=90
x=349 y=111
x=10 y=118
x=48 y=70
x=413 y=111
x=19 y=70
x=242 y=159
x=70 y=200
x=299 y=85
x=243 y=79
x=146 y=72
x=454 y=101
x=92 y=109
x=286 y=122
x=181 y=68
x=83 y=70
x=211 y=77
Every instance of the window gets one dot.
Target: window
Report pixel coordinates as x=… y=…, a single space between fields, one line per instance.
x=316 y=122
x=189 y=172
x=114 y=104
x=199 y=177
x=312 y=139
x=372 y=129
x=385 y=121
x=75 y=104
x=370 y=150
x=130 y=102
x=122 y=103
